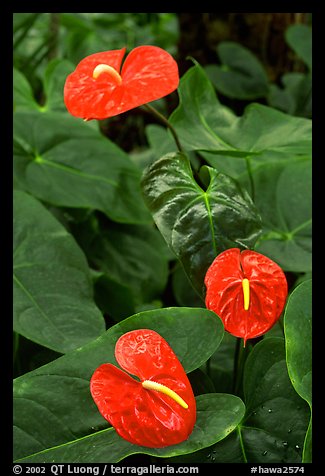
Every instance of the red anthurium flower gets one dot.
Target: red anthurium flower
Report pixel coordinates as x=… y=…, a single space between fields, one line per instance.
x=247 y=290
x=100 y=88
x=159 y=409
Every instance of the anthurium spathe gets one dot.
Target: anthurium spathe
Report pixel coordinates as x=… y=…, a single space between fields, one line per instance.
x=157 y=410
x=102 y=87
x=247 y=290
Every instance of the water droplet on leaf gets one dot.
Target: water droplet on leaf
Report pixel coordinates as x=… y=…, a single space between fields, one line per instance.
x=264 y=453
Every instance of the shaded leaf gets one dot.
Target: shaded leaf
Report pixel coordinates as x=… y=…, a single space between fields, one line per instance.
x=299 y=37
x=276 y=417
x=202 y=123
x=22 y=93
x=62 y=161
x=53 y=295
x=286 y=236
x=241 y=75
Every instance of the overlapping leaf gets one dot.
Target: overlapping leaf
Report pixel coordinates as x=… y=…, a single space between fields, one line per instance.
x=287 y=224
x=57 y=395
x=53 y=301
x=198 y=224
x=241 y=75
x=217 y=416
x=276 y=418
x=62 y=161
x=204 y=124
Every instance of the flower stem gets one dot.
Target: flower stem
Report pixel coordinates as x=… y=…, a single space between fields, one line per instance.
x=164 y=121
x=240 y=356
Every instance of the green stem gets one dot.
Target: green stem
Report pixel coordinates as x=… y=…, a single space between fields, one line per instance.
x=240 y=356
x=164 y=121
x=236 y=364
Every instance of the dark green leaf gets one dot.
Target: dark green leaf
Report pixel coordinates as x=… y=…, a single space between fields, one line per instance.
x=133 y=256
x=217 y=416
x=198 y=224
x=298 y=334
x=299 y=37
x=57 y=395
x=276 y=417
x=241 y=75
x=286 y=234
x=53 y=302
x=61 y=160
x=296 y=95
x=202 y=123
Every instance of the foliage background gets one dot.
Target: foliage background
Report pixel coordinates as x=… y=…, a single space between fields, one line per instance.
x=88 y=247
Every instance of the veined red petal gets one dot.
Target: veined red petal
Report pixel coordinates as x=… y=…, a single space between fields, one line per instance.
x=148 y=73
x=268 y=292
x=142 y=416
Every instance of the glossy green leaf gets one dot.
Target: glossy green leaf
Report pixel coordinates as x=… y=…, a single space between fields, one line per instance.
x=217 y=416
x=202 y=123
x=240 y=75
x=276 y=419
x=57 y=395
x=53 y=295
x=287 y=232
x=198 y=224
x=298 y=334
x=61 y=160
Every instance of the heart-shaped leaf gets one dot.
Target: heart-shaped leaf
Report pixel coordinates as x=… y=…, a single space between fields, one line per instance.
x=198 y=224
x=64 y=162
x=57 y=395
x=53 y=302
x=202 y=123
x=241 y=75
